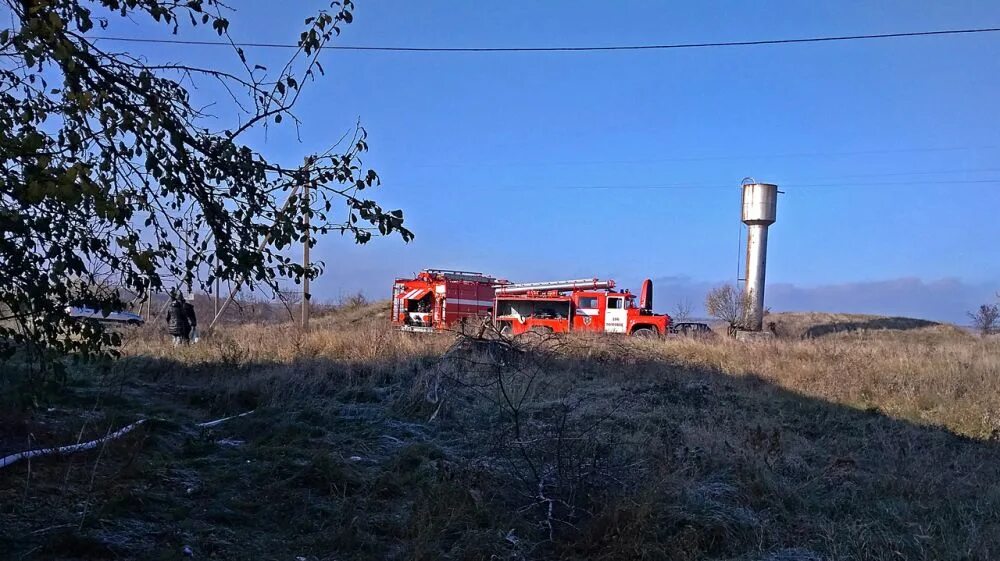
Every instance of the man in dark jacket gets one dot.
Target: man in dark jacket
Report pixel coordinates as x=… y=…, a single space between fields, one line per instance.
x=178 y=324
x=192 y=321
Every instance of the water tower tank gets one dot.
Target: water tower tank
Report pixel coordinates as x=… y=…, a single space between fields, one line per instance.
x=760 y=203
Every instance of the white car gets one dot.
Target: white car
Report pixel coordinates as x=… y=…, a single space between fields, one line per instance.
x=127 y=318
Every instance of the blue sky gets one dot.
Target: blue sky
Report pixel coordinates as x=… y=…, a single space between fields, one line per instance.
x=534 y=166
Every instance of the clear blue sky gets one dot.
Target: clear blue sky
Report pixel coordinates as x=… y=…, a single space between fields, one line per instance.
x=882 y=147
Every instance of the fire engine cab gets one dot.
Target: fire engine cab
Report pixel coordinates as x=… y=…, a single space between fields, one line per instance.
x=441 y=299
x=576 y=305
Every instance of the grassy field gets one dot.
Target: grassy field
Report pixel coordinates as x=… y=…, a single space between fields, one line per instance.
x=848 y=438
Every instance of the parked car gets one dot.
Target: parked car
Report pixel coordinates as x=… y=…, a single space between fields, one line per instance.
x=122 y=317
x=691 y=329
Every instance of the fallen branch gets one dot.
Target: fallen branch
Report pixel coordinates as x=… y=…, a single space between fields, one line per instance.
x=436 y=411
x=208 y=424
x=14 y=458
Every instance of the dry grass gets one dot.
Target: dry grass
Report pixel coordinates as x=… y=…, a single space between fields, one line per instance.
x=949 y=381
x=867 y=443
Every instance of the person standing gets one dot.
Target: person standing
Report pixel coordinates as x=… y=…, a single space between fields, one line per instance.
x=192 y=321
x=178 y=324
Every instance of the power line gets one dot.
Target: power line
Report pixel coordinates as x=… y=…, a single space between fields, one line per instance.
x=666 y=46
x=790 y=184
x=509 y=163
x=708 y=187
x=922 y=172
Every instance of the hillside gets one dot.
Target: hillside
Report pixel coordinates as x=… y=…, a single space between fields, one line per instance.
x=365 y=443
x=810 y=325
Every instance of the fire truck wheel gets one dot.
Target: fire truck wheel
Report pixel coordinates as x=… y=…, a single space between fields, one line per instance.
x=644 y=332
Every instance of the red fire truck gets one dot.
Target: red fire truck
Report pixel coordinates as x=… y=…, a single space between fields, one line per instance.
x=577 y=305
x=440 y=299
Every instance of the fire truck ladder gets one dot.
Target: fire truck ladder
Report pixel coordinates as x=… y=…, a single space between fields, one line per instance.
x=574 y=284
x=460 y=275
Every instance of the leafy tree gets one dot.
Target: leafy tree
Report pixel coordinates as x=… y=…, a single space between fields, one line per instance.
x=106 y=162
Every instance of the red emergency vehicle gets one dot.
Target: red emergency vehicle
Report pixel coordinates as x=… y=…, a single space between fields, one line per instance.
x=440 y=299
x=577 y=305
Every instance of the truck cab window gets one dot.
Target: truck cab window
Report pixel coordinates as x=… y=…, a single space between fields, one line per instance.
x=615 y=303
x=587 y=303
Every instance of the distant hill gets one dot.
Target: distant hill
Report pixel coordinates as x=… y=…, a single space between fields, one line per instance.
x=811 y=325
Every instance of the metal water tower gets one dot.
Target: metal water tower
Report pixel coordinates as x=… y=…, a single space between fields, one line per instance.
x=760 y=202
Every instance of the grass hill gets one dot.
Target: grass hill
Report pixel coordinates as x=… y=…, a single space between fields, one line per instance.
x=809 y=325
x=366 y=443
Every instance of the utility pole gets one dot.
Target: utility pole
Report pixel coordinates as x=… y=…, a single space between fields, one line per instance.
x=187 y=259
x=217 y=283
x=189 y=276
x=305 y=257
x=149 y=301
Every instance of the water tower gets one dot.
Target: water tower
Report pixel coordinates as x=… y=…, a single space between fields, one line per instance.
x=760 y=202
